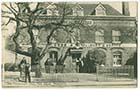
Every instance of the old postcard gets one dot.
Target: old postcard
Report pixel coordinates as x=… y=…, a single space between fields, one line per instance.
x=69 y=44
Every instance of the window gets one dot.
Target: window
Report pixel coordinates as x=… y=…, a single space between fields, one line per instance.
x=52 y=10
x=49 y=12
x=100 y=10
x=78 y=10
x=99 y=36
x=78 y=13
x=117 y=58
x=116 y=36
x=74 y=35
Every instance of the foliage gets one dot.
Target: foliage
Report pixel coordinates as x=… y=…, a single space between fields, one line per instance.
x=30 y=18
x=93 y=57
x=97 y=55
x=133 y=61
x=10 y=44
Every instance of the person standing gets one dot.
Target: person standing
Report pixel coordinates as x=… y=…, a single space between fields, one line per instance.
x=81 y=65
x=27 y=73
x=22 y=66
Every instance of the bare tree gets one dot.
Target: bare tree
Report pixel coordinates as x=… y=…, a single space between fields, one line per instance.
x=27 y=18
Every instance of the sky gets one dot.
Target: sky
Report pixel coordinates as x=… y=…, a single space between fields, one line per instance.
x=132 y=7
x=118 y=6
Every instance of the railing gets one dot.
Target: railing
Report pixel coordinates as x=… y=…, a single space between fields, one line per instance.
x=103 y=73
x=115 y=73
x=54 y=69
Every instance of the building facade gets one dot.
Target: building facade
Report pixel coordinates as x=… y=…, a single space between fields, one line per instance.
x=109 y=30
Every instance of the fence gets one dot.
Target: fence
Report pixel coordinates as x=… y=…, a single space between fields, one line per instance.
x=103 y=73
x=115 y=73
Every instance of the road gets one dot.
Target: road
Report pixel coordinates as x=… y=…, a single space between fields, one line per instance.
x=70 y=80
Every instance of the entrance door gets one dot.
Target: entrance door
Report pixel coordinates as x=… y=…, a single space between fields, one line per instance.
x=54 y=56
x=76 y=59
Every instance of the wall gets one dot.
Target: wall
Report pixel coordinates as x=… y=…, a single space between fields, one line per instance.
x=126 y=25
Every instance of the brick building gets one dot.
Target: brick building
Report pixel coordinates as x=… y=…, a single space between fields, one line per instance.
x=111 y=32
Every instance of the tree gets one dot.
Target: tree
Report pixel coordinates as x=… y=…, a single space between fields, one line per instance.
x=26 y=18
x=93 y=58
x=133 y=60
x=97 y=55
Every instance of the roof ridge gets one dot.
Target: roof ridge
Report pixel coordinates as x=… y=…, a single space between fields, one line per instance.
x=89 y=8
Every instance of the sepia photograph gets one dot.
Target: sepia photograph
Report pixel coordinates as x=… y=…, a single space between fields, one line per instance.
x=69 y=44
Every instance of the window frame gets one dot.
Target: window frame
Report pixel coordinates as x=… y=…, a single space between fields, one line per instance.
x=118 y=56
x=116 y=38
x=100 y=10
x=99 y=36
x=77 y=10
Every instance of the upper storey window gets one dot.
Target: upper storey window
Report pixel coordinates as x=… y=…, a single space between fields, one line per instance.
x=100 y=10
x=116 y=35
x=99 y=36
x=52 y=10
x=78 y=10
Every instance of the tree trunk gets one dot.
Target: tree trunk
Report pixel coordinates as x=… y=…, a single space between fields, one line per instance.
x=36 y=67
x=38 y=72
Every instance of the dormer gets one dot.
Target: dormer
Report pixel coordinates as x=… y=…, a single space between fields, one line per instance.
x=78 y=10
x=100 y=10
x=52 y=10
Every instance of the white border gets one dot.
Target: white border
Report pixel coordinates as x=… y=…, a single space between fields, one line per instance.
x=77 y=1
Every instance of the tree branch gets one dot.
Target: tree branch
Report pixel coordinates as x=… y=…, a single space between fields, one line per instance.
x=10 y=18
x=23 y=52
x=18 y=48
x=19 y=10
x=10 y=9
x=13 y=8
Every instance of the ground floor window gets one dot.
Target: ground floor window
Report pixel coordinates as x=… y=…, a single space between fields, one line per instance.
x=117 y=58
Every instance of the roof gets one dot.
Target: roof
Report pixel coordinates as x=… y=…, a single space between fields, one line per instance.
x=89 y=9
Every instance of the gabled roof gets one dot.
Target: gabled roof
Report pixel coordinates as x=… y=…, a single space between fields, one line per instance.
x=77 y=6
x=89 y=9
x=100 y=6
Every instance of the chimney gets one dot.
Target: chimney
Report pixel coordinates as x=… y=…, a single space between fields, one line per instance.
x=125 y=9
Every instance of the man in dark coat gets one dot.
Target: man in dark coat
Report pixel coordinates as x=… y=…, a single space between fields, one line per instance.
x=21 y=66
x=27 y=72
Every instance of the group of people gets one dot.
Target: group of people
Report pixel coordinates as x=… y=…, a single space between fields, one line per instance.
x=24 y=69
x=83 y=65
x=86 y=65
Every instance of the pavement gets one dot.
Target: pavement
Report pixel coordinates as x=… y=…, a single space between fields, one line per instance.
x=65 y=80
